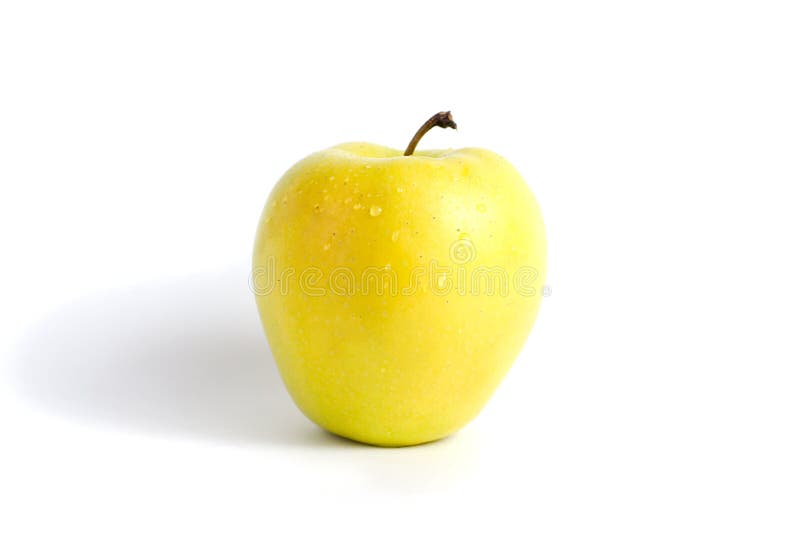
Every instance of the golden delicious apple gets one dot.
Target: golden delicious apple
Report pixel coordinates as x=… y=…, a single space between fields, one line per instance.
x=396 y=290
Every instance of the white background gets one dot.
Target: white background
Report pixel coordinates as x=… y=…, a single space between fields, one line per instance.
x=139 y=141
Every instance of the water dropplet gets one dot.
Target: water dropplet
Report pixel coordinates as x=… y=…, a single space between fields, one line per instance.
x=441 y=281
x=375 y=211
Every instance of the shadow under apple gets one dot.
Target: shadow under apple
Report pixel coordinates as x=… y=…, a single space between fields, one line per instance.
x=188 y=358
x=183 y=357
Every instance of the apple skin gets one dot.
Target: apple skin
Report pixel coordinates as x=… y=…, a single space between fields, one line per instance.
x=397 y=369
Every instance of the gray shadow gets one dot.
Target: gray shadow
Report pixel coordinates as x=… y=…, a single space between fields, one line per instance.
x=185 y=357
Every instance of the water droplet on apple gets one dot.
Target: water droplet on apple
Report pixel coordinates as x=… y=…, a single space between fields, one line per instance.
x=399 y=189
x=441 y=281
x=327 y=246
x=375 y=211
x=481 y=208
x=357 y=206
x=395 y=235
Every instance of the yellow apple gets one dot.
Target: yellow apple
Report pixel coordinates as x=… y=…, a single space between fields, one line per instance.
x=397 y=290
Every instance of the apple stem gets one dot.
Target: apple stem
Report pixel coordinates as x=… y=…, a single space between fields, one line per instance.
x=443 y=119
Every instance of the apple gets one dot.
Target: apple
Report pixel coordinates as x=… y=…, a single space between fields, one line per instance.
x=396 y=289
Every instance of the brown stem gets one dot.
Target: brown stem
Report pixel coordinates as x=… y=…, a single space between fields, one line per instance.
x=443 y=119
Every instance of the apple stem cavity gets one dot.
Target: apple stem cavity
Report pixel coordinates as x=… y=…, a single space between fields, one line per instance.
x=443 y=119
